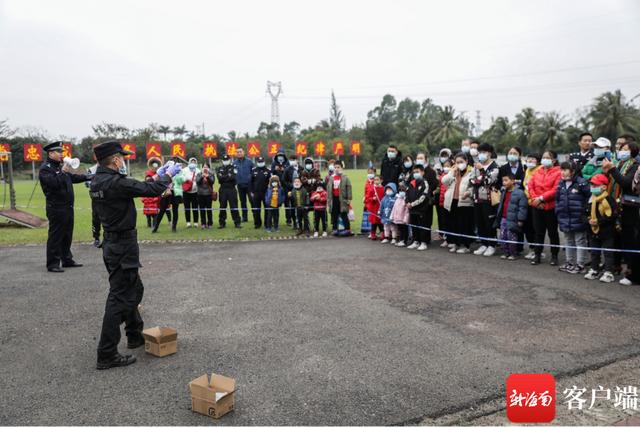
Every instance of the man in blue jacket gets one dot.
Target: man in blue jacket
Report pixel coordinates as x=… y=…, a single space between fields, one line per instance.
x=243 y=167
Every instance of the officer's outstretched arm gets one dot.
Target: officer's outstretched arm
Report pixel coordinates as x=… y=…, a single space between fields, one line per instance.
x=78 y=177
x=128 y=187
x=51 y=180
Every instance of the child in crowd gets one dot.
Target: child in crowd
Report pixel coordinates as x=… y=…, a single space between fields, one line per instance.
x=533 y=164
x=511 y=215
x=571 y=203
x=372 y=198
x=339 y=200
x=300 y=201
x=602 y=214
x=444 y=216
x=319 y=200
x=274 y=198
x=367 y=216
x=151 y=205
x=384 y=213
x=418 y=203
x=400 y=215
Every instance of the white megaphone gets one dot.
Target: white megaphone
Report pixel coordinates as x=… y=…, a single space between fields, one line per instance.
x=72 y=163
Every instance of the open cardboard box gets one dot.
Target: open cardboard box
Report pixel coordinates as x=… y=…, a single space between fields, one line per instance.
x=214 y=397
x=160 y=341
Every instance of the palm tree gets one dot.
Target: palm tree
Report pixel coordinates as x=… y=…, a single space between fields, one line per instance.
x=525 y=126
x=447 y=126
x=179 y=131
x=550 y=130
x=164 y=130
x=612 y=116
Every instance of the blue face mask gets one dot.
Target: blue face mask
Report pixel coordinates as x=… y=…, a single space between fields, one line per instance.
x=512 y=158
x=546 y=163
x=192 y=166
x=401 y=194
x=624 y=155
x=443 y=159
x=600 y=152
x=122 y=170
x=408 y=164
x=596 y=191
x=483 y=157
x=260 y=164
x=417 y=176
x=465 y=149
x=370 y=175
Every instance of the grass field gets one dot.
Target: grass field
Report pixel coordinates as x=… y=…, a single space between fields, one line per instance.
x=10 y=234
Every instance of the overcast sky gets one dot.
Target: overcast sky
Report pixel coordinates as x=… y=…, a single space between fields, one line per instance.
x=66 y=65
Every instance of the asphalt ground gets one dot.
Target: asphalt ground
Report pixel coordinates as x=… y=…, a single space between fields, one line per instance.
x=317 y=331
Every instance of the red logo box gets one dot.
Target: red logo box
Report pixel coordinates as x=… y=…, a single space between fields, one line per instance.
x=531 y=398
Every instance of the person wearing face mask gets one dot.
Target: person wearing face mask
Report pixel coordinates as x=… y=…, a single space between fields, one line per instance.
x=458 y=200
x=57 y=182
x=571 y=203
x=319 y=200
x=390 y=231
x=204 y=181
x=365 y=224
x=400 y=215
x=444 y=216
x=513 y=166
x=419 y=205
x=301 y=202
x=406 y=174
x=290 y=173
x=601 y=152
x=228 y=193
x=372 y=198
x=243 y=167
x=279 y=164
x=113 y=194
x=433 y=184
x=260 y=177
x=274 y=198
x=602 y=212
x=173 y=201
x=585 y=153
x=543 y=188
x=190 y=191
x=443 y=156
x=339 y=201
x=391 y=165
x=621 y=188
x=532 y=165
x=484 y=179
x=310 y=175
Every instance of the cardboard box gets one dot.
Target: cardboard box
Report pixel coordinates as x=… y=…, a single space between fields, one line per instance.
x=160 y=341
x=214 y=397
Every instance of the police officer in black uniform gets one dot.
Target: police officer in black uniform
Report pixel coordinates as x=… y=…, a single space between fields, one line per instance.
x=582 y=157
x=228 y=193
x=112 y=194
x=260 y=176
x=57 y=185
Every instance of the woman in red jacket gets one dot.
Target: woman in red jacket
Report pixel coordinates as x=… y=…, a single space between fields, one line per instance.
x=543 y=186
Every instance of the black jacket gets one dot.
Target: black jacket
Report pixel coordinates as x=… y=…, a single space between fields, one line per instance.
x=290 y=173
x=390 y=169
x=418 y=197
x=227 y=176
x=580 y=160
x=506 y=169
x=259 y=180
x=431 y=177
x=112 y=196
x=57 y=186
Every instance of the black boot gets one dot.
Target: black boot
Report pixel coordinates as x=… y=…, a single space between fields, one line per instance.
x=536 y=259
x=116 y=361
x=554 y=259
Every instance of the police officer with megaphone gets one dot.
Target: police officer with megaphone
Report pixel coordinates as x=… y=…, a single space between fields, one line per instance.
x=57 y=184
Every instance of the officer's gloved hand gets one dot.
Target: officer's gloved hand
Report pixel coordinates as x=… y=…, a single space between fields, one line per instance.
x=174 y=170
x=162 y=171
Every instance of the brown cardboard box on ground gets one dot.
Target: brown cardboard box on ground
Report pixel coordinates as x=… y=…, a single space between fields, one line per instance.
x=160 y=341
x=214 y=397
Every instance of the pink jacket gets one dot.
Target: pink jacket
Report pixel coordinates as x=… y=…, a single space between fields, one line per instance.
x=400 y=212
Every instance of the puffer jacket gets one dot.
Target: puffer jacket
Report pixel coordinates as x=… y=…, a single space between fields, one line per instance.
x=400 y=211
x=386 y=206
x=571 y=203
x=516 y=211
x=465 y=191
x=544 y=183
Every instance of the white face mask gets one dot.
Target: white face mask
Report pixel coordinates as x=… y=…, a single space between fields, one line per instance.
x=293 y=162
x=531 y=165
x=464 y=149
x=260 y=164
x=401 y=194
x=420 y=162
x=308 y=167
x=483 y=157
x=473 y=152
x=226 y=162
x=319 y=189
x=331 y=168
x=446 y=169
x=297 y=185
x=274 y=184
x=391 y=155
x=461 y=166
x=389 y=193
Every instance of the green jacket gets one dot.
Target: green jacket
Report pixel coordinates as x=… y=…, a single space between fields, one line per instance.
x=592 y=169
x=300 y=197
x=345 y=193
x=177 y=184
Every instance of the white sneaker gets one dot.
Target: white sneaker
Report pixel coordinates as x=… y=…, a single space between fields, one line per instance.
x=607 y=277
x=414 y=245
x=591 y=275
x=480 y=250
x=400 y=244
x=315 y=234
x=463 y=250
x=324 y=234
x=393 y=241
x=384 y=241
x=444 y=244
x=625 y=282
x=423 y=247
x=452 y=248
x=450 y=245
x=530 y=255
x=188 y=225
x=490 y=251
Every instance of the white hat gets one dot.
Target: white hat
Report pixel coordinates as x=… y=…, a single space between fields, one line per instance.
x=603 y=142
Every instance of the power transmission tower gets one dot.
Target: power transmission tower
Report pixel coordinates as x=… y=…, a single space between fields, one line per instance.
x=478 y=128
x=274 y=89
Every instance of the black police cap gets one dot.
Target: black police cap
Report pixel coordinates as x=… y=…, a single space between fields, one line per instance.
x=259 y=159
x=53 y=146
x=106 y=149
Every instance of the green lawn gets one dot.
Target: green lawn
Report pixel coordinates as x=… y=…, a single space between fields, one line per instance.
x=10 y=234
